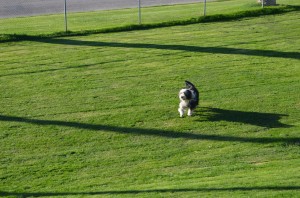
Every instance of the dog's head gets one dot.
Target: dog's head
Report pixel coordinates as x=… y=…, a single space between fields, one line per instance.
x=189 y=92
x=185 y=94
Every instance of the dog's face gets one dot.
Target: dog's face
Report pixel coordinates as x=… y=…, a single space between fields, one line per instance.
x=185 y=94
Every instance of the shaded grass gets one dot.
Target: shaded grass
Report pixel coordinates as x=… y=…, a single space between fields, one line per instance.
x=164 y=191
x=259 y=119
x=97 y=115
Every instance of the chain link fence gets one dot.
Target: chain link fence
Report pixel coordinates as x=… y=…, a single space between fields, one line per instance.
x=49 y=16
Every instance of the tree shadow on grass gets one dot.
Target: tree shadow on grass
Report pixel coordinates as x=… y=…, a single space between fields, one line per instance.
x=267 y=120
x=49 y=70
x=213 y=50
x=156 y=132
x=135 y=192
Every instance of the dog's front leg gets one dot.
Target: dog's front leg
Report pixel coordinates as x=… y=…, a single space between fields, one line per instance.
x=190 y=112
x=181 y=111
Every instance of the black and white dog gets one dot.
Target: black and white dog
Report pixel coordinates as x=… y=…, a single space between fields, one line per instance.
x=189 y=99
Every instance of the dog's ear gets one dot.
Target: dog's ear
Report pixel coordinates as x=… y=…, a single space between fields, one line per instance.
x=189 y=85
x=188 y=94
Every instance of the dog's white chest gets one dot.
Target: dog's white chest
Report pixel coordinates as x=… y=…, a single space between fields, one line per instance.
x=184 y=104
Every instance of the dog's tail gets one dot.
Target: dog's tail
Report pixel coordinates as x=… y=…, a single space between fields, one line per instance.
x=195 y=99
x=189 y=85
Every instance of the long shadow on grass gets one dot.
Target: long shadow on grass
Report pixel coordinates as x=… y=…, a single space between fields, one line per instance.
x=58 y=69
x=267 y=120
x=214 y=50
x=49 y=70
x=152 y=132
x=133 y=192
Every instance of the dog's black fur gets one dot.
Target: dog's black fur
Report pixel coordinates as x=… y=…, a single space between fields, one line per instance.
x=193 y=95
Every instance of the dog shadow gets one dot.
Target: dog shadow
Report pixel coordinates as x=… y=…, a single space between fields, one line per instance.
x=267 y=120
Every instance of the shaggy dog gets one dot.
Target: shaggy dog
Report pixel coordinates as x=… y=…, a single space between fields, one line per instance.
x=189 y=99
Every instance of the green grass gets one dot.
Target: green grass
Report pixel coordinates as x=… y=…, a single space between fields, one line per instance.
x=97 y=115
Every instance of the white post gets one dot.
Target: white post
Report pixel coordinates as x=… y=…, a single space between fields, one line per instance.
x=140 y=15
x=262 y=3
x=66 y=21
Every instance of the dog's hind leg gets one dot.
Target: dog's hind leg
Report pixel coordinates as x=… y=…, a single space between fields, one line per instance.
x=190 y=112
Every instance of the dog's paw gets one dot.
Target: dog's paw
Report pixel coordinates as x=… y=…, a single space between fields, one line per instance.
x=190 y=113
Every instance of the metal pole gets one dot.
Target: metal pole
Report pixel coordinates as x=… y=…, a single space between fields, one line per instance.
x=66 y=21
x=262 y=3
x=204 y=7
x=140 y=15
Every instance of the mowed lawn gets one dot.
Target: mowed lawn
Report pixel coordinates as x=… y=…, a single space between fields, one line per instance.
x=97 y=115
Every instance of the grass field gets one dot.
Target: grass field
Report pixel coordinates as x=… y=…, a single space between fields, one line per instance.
x=97 y=115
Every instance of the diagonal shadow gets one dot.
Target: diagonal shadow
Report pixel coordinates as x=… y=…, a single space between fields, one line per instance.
x=213 y=50
x=60 y=69
x=49 y=70
x=124 y=192
x=150 y=132
x=268 y=120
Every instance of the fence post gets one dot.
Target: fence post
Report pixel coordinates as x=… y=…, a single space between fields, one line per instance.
x=140 y=15
x=66 y=20
x=267 y=3
x=204 y=7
